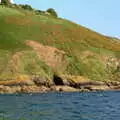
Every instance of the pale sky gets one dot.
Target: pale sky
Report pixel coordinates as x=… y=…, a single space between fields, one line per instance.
x=100 y=15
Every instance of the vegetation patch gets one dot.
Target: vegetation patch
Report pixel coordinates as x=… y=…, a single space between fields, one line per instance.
x=86 y=53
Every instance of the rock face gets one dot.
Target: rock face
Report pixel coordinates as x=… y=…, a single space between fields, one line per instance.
x=18 y=81
x=64 y=84
x=23 y=89
x=73 y=81
x=34 y=89
x=41 y=81
x=79 y=83
x=64 y=89
x=9 y=89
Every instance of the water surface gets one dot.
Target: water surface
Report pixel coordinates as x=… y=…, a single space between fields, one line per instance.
x=61 y=106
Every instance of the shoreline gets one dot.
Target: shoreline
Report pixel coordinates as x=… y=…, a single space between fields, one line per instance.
x=36 y=84
x=43 y=89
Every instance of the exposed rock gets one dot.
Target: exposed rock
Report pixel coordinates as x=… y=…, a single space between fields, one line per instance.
x=97 y=87
x=74 y=81
x=59 y=80
x=83 y=84
x=9 y=89
x=65 y=83
x=18 y=80
x=42 y=81
x=65 y=89
x=23 y=89
x=34 y=89
x=16 y=89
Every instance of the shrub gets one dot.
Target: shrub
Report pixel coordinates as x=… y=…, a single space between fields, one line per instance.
x=27 y=7
x=52 y=12
x=39 y=12
x=5 y=2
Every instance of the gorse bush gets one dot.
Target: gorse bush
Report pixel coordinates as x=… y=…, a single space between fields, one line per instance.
x=39 y=11
x=52 y=12
x=27 y=7
x=5 y=2
x=49 y=12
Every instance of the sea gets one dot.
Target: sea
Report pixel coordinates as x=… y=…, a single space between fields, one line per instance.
x=61 y=106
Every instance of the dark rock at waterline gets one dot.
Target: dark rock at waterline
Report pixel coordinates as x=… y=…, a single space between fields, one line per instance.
x=59 y=80
x=41 y=81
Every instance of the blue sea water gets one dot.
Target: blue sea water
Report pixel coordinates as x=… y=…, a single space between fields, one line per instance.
x=61 y=106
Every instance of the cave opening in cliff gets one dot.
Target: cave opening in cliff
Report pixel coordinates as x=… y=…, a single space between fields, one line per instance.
x=57 y=80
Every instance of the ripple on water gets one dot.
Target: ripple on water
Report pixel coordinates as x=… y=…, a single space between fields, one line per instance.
x=61 y=106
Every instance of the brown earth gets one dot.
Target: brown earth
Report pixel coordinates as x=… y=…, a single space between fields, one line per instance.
x=19 y=20
x=52 y=56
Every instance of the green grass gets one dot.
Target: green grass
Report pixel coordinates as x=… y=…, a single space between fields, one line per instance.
x=28 y=64
x=17 y=26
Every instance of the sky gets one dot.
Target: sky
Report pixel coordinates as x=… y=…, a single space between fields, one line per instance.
x=102 y=16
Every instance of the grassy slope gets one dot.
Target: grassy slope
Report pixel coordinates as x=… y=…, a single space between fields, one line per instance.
x=17 y=26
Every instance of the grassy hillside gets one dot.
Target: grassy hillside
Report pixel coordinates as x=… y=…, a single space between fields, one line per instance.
x=87 y=53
